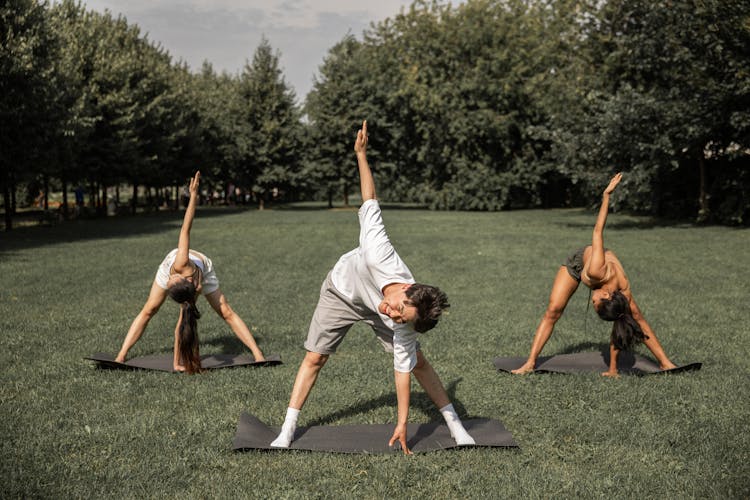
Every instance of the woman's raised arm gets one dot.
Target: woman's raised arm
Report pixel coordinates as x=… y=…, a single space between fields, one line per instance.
x=596 y=269
x=183 y=245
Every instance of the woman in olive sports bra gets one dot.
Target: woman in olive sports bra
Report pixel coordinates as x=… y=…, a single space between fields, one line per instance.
x=600 y=270
x=183 y=275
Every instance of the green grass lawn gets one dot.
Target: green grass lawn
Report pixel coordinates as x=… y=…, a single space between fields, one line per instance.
x=70 y=430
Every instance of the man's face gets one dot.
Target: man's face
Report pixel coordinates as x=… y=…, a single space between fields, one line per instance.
x=396 y=306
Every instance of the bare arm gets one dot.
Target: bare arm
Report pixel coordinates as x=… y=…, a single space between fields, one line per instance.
x=596 y=269
x=176 y=365
x=366 y=182
x=403 y=385
x=613 y=352
x=183 y=245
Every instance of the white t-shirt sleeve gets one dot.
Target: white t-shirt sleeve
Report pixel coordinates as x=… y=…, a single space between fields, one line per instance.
x=404 y=349
x=375 y=248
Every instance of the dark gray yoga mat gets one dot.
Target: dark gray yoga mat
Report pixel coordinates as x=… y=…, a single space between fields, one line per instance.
x=163 y=362
x=583 y=362
x=365 y=438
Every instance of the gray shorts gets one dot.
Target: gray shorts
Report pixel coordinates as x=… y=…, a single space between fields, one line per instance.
x=334 y=316
x=574 y=264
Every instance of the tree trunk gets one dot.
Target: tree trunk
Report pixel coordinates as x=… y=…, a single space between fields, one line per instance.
x=703 y=210
x=92 y=196
x=64 y=197
x=45 y=184
x=346 y=195
x=117 y=195
x=7 y=204
x=13 y=203
x=330 y=198
x=105 y=210
x=134 y=201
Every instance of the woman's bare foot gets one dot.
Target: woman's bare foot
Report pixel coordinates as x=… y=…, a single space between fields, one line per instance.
x=526 y=368
x=612 y=374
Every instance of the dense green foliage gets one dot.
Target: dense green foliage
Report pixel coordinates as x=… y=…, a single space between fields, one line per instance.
x=486 y=105
x=72 y=431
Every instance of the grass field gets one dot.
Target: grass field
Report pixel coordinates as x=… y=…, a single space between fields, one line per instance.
x=70 y=430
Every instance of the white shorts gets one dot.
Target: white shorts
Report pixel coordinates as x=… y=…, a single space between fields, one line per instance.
x=210 y=282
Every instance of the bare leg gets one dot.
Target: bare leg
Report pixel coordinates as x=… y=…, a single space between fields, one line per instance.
x=563 y=288
x=219 y=303
x=156 y=298
x=429 y=380
x=306 y=377
x=303 y=384
x=651 y=342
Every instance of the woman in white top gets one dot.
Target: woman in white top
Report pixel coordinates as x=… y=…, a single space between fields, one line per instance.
x=183 y=275
x=600 y=270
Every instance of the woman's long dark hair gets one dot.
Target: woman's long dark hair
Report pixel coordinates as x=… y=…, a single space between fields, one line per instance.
x=626 y=331
x=184 y=294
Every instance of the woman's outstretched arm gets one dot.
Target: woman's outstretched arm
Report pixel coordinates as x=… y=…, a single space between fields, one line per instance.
x=596 y=269
x=183 y=245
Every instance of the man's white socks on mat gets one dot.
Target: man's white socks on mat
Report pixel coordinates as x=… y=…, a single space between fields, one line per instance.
x=287 y=430
x=455 y=426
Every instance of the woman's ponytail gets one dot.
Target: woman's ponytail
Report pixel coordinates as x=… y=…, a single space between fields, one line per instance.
x=183 y=293
x=626 y=331
x=188 y=336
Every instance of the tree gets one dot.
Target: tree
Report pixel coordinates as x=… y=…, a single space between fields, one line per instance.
x=335 y=109
x=665 y=97
x=27 y=51
x=271 y=156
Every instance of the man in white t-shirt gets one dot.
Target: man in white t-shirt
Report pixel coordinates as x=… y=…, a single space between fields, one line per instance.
x=372 y=284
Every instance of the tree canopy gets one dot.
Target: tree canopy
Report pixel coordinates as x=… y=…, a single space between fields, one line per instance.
x=487 y=105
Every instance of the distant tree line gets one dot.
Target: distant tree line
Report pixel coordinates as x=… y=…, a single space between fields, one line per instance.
x=488 y=105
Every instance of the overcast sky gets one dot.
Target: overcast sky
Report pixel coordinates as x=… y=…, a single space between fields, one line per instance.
x=227 y=32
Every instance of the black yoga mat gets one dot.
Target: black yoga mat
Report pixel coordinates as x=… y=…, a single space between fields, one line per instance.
x=254 y=434
x=163 y=362
x=583 y=362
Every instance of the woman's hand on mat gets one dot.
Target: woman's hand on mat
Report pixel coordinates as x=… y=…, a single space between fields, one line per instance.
x=527 y=367
x=399 y=434
x=613 y=183
x=194 y=183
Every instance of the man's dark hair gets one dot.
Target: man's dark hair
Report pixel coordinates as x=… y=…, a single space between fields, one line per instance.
x=626 y=331
x=430 y=302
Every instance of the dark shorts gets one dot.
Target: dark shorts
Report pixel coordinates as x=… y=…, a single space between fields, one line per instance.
x=574 y=264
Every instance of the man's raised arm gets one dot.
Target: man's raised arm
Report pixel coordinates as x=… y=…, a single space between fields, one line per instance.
x=366 y=182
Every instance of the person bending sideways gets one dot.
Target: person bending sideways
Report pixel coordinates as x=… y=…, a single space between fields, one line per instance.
x=372 y=284
x=600 y=270
x=183 y=275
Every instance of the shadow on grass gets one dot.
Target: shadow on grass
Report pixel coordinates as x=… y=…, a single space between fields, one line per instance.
x=419 y=400
x=230 y=343
x=102 y=228
x=625 y=360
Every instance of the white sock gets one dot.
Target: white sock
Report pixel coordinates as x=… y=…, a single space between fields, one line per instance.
x=287 y=430
x=455 y=426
